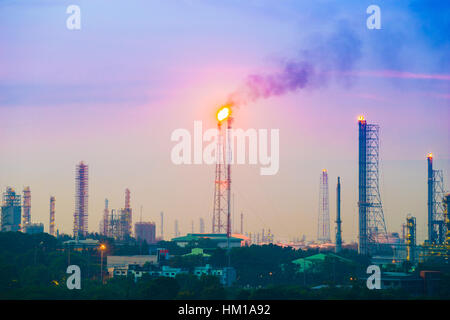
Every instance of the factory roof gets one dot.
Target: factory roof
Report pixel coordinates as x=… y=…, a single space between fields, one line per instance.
x=317 y=258
x=197 y=251
x=219 y=237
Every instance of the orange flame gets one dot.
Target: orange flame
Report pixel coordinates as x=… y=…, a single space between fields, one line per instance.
x=223 y=113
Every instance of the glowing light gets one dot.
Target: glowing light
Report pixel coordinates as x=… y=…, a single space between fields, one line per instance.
x=102 y=247
x=223 y=113
x=324 y=170
x=430 y=155
x=361 y=118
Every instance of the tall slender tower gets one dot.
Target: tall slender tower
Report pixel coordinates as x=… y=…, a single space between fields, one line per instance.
x=202 y=225
x=242 y=223
x=372 y=227
x=26 y=217
x=105 y=225
x=338 y=217
x=162 y=225
x=80 y=225
x=52 y=217
x=177 y=232
x=436 y=220
x=411 y=238
x=222 y=193
x=431 y=231
x=323 y=230
x=126 y=217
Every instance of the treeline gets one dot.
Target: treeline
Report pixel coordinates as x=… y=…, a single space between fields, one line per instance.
x=34 y=267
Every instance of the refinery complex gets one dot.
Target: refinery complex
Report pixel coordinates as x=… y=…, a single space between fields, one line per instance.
x=374 y=239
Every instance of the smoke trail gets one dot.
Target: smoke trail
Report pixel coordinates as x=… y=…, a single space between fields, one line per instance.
x=312 y=68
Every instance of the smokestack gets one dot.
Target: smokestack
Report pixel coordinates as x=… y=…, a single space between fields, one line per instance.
x=242 y=223
x=202 y=225
x=431 y=233
x=338 y=217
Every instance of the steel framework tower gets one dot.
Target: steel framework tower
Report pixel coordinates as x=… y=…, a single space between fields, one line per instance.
x=372 y=227
x=52 y=216
x=338 y=217
x=410 y=238
x=222 y=192
x=26 y=216
x=126 y=217
x=436 y=219
x=80 y=225
x=323 y=228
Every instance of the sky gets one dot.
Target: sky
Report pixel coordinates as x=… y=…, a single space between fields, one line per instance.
x=112 y=93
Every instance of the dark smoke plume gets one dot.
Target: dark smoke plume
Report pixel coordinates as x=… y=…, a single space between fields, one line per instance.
x=325 y=59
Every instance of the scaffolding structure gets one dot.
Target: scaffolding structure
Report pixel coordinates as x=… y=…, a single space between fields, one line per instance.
x=372 y=226
x=127 y=216
x=117 y=223
x=222 y=184
x=80 y=225
x=26 y=216
x=439 y=249
x=11 y=211
x=338 y=217
x=436 y=221
x=52 y=217
x=411 y=229
x=323 y=226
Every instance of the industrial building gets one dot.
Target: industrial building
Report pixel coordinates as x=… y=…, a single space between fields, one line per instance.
x=122 y=261
x=217 y=239
x=117 y=224
x=32 y=228
x=11 y=211
x=226 y=275
x=145 y=231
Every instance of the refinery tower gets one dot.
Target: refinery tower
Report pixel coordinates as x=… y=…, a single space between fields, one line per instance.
x=80 y=224
x=221 y=222
x=323 y=228
x=372 y=227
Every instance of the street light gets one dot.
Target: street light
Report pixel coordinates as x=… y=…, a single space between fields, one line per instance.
x=102 y=249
